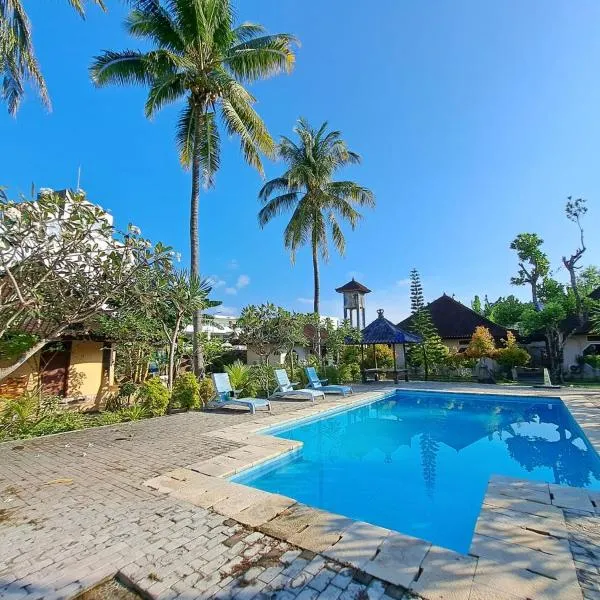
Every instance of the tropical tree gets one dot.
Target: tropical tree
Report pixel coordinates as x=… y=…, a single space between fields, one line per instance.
x=61 y=264
x=18 y=62
x=575 y=210
x=199 y=57
x=431 y=351
x=534 y=265
x=307 y=188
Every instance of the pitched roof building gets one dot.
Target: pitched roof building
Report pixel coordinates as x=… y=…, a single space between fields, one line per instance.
x=456 y=322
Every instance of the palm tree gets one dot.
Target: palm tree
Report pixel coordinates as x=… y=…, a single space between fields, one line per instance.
x=18 y=62
x=317 y=201
x=200 y=57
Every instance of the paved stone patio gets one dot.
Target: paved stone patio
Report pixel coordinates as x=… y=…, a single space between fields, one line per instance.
x=74 y=510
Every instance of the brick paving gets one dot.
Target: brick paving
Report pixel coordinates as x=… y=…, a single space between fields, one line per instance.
x=73 y=511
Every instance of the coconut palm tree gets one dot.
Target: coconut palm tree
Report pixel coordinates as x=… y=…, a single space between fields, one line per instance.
x=199 y=57
x=18 y=62
x=318 y=203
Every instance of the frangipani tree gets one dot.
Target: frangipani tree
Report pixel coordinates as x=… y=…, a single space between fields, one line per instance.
x=200 y=59
x=62 y=263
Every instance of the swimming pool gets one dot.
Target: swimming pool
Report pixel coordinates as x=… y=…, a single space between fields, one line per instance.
x=419 y=462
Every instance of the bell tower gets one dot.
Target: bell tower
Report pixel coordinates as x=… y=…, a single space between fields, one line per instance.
x=354 y=302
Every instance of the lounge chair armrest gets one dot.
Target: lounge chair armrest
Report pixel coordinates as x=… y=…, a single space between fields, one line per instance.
x=324 y=381
x=295 y=383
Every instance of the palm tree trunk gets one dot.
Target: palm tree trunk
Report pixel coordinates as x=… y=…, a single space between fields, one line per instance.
x=197 y=357
x=315 y=257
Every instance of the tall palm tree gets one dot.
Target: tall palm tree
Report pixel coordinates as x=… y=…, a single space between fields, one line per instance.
x=18 y=62
x=200 y=57
x=317 y=202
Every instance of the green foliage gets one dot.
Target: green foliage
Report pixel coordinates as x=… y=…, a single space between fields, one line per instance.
x=588 y=279
x=240 y=377
x=109 y=418
x=307 y=190
x=482 y=344
x=48 y=289
x=383 y=354
x=15 y=343
x=593 y=360
x=349 y=372
x=506 y=311
x=135 y=412
x=263 y=379
x=154 y=396
x=186 y=392
x=18 y=63
x=267 y=328
x=206 y=391
x=476 y=305
x=431 y=351
x=511 y=355
x=533 y=262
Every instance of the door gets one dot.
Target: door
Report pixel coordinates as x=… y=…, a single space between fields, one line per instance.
x=54 y=368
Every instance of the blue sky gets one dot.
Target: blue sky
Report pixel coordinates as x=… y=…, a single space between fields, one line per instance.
x=475 y=120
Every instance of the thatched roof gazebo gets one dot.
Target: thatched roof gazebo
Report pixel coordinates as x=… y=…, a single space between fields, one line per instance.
x=382 y=331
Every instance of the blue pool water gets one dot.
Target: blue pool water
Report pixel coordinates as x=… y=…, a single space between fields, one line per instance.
x=419 y=462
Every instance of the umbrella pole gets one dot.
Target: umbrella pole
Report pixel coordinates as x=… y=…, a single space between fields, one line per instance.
x=395 y=366
x=405 y=362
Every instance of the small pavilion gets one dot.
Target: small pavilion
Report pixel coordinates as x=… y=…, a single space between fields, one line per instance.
x=382 y=331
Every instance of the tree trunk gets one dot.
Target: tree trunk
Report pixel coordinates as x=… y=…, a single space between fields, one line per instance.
x=578 y=303
x=172 y=350
x=8 y=370
x=317 y=290
x=534 y=295
x=317 y=294
x=197 y=358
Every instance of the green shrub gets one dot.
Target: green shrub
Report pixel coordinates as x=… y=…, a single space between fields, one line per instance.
x=593 y=360
x=242 y=379
x=186 y=392
x=65 y=421
x=108 y=418
x=206 y=390
x=135 y=412
x=154 y=396
x=349 y=372
x=262 y=380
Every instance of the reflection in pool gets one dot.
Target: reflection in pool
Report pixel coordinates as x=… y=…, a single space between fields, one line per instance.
x=419 y=462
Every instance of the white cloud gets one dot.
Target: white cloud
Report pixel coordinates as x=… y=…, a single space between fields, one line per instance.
x=403 y=282
x=216 y=281
x=304 y=300
x=231 y=291
x=242 y=281
x=233 y=264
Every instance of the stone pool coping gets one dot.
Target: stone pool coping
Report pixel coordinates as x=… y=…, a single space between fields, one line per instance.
x=520 y=548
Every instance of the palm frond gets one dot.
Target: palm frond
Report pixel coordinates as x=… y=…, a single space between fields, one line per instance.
x=276 y=206
x=208 y=147
x=185 y=135
x=262 y=57
x=164 y=90
x=155 y=23
x=247 y=31
x=279 y=184
x=122 y=68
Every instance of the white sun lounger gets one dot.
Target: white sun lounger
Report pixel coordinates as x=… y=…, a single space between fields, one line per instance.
x=285 y=389
x=225 y=397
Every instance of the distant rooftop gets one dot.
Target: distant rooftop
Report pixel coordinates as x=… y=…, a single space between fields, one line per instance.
x=353 y=286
